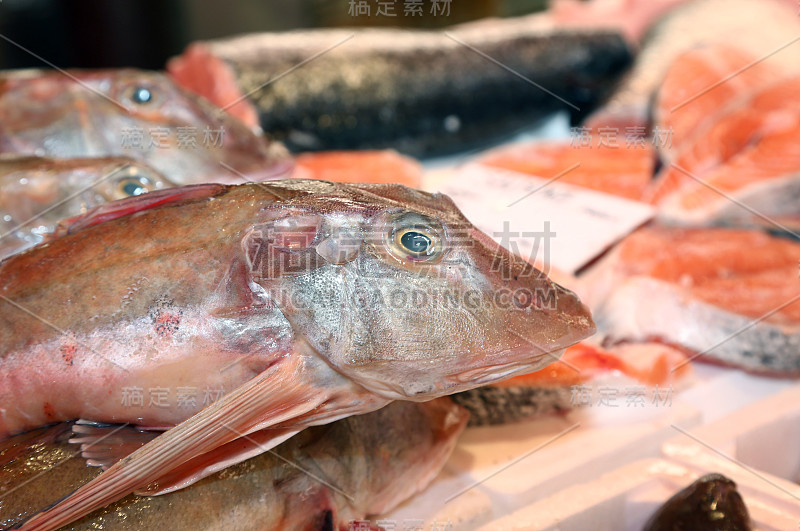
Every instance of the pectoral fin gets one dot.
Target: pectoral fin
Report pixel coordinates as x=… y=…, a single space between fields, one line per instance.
x=103 y=445
x=280 y=394
x=217 y=459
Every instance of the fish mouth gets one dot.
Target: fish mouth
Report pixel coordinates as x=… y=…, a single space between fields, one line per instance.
x=494 y=373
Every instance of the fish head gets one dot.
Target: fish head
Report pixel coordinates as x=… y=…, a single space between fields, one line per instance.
x=37 y=192
x=134 y=113
x=401 y=293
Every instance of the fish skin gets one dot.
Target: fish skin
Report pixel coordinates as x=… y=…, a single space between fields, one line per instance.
x=760 y=26
x=379 y=459
x=727 y=294
x=36 y=192
x=94 y=113
x=200 y=306
x=711 y=502
x=419 y=92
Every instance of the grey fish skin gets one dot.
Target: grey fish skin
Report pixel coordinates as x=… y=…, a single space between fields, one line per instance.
x=712 y=502
x=378 y=459
x=491 y=406
x=422 y=93
x=36 y=192
x=131 y=113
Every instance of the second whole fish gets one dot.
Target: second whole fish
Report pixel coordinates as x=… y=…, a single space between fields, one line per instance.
x=711 y=502
x=131 y=113
x=36 y=193
x=302 y=302
x=324 y=478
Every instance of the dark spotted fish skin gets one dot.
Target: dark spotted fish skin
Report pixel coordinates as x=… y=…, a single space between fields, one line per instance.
x=422 y=93
x=710 y=503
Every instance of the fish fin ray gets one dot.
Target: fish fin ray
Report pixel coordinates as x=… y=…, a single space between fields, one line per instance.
x=277 y=395
x=131 y=205
x=103 y=445
x=229 y=454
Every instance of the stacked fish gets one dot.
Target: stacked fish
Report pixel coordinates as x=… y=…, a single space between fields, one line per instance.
x=182 y=330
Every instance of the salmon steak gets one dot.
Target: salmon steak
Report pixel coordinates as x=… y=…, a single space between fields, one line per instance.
x=235 y=316
x=745 y=164
x=553 y=390
x=622 y=168
x=382 y=166
x=729 y=296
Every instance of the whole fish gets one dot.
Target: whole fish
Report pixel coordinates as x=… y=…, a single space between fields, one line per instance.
x=36 y=193
x=302 y=302
x=763 y=28
x=732 y=297
x=132 y=113
x=422 y=93
x=711 y=502
x=355 y=467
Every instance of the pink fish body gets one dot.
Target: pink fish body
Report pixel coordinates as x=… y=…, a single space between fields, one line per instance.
x=133 y=113
x=301 y=302
x=36 y=192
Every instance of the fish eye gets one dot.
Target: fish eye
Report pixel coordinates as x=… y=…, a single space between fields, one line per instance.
x=414 y=237
x=414 y=241
x=133 y=186
x=141 y=95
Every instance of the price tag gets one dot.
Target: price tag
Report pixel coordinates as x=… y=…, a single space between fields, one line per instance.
x=542 y=220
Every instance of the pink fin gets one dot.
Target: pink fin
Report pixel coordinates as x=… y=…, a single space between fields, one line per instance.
x=103 y=445
x=218 y=459
x=131 y=205
x=280 y=394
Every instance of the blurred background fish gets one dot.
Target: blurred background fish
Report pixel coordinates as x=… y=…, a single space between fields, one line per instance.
x=36 y=192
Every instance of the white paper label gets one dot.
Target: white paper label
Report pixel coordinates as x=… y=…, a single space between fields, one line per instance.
x=542 y=220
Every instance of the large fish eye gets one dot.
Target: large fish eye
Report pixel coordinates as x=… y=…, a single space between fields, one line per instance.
x=415 y=237
x=414 y=241
x=141 y=95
